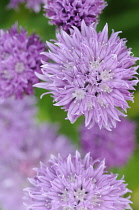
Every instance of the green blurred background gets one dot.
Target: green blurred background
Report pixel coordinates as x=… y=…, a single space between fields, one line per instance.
x=121 y=15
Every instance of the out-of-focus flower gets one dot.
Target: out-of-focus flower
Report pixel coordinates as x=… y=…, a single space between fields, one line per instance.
x=15 y=3
x=19 y=59
x=90 y=75
x=11 y=189
x=23 y=144
x=34 y=5
x=16 y=120
x=115 y=146
x=66 y=14
x=75 y=183
x=17 y=113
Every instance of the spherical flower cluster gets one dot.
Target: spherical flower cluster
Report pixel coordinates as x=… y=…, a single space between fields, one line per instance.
x=24 y=143
x=90 y=75
x=115 y=146
x=66 y=14
x=19 y=59
x=76 y=184
x=34 y=5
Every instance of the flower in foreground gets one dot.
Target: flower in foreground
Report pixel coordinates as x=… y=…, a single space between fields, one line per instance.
x=115 y=146
x=66 y=14
x=34 y=5
x=19 y=59
x=76 y=183
x=90 y=75
x=23 y=144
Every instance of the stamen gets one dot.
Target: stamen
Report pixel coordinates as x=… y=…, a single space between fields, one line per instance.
x=82 y=208
x=96 y=200
x=4 y=56
x=67 y=208
x=95 y=64
x=80 y=194
x=64 y=195
x=19 y=67
x=101 y=102
x=6 y=74
x=89 y=105
x=78 y=94
x=106 y=75
x=68 y=65
x=105 y=88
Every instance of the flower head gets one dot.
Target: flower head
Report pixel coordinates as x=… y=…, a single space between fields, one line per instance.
x=76 y=183
x=34 y=5
x=19 y=59
x=23 y=144
x=90 y=75
x=115 y=146
x=66 y=14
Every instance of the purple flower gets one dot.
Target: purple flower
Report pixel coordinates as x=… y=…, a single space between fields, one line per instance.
x=15 y=3
x=90 y=75
x=18 y=113
x=115 y=146
x=23 y=144
x=16 y=117
x=70 y=13
x=19 y=59
x=75 y=183
x=34 y=5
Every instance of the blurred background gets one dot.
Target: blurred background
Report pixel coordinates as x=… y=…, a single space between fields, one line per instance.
x=120 y=15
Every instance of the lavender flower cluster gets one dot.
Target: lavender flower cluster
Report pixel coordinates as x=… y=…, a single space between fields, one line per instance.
x=76 y=183
x=19 y=60
x=67 y=14
x=87 y=73
x=116 y=147
x=91 y=75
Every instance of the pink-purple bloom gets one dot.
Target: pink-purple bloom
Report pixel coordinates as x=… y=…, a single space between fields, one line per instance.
x=23 y=144
x=76 y=184
x=91 y=75
x=116 y=146
x=34 y=5
x=19 y=60
x=66 y=14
